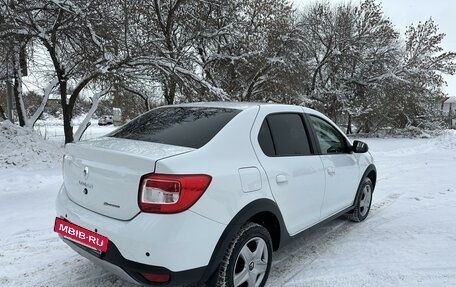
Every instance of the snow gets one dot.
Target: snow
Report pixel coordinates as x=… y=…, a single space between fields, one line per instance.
x=409 y=238
x=51 y=128
x=23 y=147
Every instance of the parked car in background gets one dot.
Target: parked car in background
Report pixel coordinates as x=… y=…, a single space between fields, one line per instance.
x=105 y=120
x=205 y=192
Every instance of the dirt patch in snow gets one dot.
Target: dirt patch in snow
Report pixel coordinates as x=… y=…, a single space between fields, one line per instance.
x=23 y=147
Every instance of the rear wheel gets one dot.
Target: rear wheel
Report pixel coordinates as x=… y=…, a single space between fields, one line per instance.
x=363 y=202
x=247 y=261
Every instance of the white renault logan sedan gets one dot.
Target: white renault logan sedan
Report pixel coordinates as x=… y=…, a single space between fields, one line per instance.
x=206 y=192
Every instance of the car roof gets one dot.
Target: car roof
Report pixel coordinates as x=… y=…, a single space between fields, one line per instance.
x=233 y=105
x=241 y=106
x=228 y=105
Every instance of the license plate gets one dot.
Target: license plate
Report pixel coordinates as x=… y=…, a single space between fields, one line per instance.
x=81 y=235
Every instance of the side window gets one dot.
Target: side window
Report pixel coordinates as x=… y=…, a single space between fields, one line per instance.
x=284 y=135
x=329 y=139
x=265 y=139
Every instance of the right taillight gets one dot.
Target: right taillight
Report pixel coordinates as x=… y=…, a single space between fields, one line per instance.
x=165 y=193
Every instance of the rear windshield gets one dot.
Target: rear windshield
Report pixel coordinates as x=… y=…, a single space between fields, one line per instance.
x=182 y=126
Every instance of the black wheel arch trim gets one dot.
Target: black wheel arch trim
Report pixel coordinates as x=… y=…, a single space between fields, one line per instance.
x=243 y=216
x=370 y=168
x=254 y=208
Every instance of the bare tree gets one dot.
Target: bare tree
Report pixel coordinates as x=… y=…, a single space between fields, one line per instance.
x=359 y=72
x=345 y=59
x=242 y=47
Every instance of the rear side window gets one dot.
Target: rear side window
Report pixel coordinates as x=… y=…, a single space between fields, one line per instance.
x=284 y=135
x=265 y=139
x=181 y=126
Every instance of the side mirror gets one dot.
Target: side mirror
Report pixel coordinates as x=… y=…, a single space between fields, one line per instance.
x=359 y=147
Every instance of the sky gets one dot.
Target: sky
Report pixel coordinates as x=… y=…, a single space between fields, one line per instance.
x=405 y=12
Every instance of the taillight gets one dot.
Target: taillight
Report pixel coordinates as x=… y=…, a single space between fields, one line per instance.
x=165 y=193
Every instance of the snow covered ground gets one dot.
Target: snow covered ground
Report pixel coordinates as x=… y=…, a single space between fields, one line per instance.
x=52 y=129
x=409 y=239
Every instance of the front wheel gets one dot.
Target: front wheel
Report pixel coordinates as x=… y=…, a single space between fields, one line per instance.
x=247 y=261
x=363 y=202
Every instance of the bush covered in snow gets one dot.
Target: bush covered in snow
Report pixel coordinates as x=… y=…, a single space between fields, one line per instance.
x=22 y=147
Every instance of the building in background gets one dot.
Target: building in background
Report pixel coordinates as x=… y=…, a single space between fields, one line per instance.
x=448 y=108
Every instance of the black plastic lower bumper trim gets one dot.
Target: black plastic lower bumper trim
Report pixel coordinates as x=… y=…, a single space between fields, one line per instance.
x=133 y=269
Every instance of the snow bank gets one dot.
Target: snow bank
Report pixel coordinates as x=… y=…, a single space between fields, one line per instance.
x=49 y=120
x=22 y=147
x=447 y=140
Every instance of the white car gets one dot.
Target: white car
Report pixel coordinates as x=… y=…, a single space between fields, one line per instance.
x=206 y=192
x=105 y=120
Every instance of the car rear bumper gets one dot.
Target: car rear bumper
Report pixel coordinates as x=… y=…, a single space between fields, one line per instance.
x=180 y=245
x=131 y=271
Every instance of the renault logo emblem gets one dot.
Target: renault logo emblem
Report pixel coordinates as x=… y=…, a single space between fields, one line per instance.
x=86 y=172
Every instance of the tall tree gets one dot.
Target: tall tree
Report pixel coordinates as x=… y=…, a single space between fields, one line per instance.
x=424 y=62
x=243 y=47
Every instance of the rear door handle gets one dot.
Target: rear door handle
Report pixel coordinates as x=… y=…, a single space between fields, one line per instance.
x=281 y=178
x=331 y=170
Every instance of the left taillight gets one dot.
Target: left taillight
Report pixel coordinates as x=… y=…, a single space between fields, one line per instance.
x=165 y=193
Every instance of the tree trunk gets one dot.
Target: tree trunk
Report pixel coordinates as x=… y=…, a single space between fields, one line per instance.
x=147 y=104
x=19 y=104
x=67 y=127
x=2 y=113
x=349 y=125
x=39 y=111
x=86 y=122
x=367 y=127
x=170 y=91
x=17 y=88
x=67 y=112
x=364 y=127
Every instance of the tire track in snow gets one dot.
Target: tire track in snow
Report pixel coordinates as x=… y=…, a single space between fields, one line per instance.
x=307 y=247
x=303 y=250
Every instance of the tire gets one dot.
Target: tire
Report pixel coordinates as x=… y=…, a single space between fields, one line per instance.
x=363 y=201
x=248 y=259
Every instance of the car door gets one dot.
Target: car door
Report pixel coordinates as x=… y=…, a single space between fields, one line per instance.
x=340 y=164
x=295 y=173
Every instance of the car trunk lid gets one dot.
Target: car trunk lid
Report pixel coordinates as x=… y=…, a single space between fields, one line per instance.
x=103 y=174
